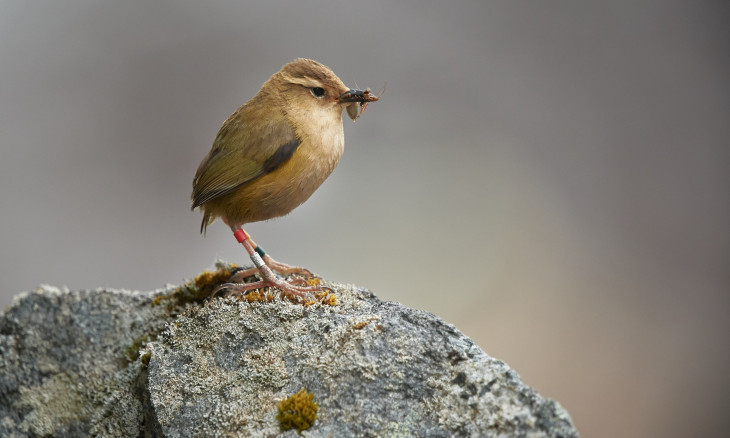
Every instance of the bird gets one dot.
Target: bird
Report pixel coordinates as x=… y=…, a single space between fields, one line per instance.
x=270 y=156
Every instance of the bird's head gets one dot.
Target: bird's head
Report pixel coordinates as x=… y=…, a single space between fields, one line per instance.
x=309 y=86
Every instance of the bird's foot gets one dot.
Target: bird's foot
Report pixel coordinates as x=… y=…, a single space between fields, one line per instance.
x=285 y=269
x=307 y=295
x=281 y=268
x=305 y=291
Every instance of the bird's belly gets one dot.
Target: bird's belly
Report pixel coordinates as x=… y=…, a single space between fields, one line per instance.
x=288 y=186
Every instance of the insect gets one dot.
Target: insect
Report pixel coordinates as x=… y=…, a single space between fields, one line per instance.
x=367 y=97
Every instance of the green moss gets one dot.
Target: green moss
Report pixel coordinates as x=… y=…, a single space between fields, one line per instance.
x=298 y=411
x=132 y=352
x=197 y=290
x=146 y=358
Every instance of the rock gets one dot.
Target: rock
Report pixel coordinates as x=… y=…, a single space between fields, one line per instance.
x=161 y=363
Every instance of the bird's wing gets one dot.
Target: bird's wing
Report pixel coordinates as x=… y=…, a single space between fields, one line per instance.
x=240 y=154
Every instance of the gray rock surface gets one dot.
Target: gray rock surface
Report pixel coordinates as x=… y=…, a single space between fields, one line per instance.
x=121 y=363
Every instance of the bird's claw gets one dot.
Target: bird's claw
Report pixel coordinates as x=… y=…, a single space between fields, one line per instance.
x=286 y=270
x=306 y=295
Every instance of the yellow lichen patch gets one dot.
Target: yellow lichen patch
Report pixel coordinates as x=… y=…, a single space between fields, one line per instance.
x=263 y=295
x=313 y=281
x=331 y=300
x=298 y=411
x=359 y=325
x=326 y=297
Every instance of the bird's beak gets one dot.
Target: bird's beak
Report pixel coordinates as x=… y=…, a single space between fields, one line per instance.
x=355 y=97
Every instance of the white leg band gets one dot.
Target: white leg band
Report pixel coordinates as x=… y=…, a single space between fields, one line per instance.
x=257 y=261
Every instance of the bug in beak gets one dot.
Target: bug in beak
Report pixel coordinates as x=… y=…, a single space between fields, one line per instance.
x=359 y=101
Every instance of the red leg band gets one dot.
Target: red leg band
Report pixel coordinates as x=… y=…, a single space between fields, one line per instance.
x=240 y=235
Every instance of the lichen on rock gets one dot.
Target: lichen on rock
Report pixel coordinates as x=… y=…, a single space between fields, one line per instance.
x=114 y=363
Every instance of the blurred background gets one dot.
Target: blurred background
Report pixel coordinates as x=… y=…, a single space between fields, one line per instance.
x=553 y=178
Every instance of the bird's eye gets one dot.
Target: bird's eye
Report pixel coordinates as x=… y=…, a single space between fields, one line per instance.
x=318 y=91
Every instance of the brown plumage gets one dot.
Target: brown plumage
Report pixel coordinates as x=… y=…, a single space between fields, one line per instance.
x=273 y=152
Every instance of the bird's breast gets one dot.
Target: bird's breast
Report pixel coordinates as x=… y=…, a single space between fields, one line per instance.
x=317 y=156
x=293 y=182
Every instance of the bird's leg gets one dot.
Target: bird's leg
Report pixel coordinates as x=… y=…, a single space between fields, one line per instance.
x=268 y=278
x=281 y=268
